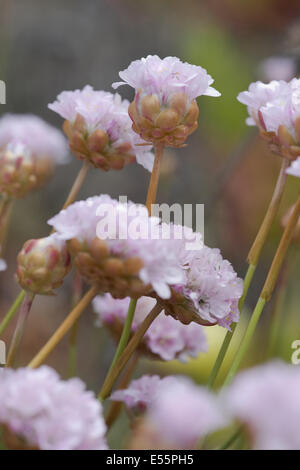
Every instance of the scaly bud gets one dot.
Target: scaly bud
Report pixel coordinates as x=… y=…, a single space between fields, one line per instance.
x=43 y=264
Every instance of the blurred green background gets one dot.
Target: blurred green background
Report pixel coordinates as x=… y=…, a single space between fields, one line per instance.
x=47 y=47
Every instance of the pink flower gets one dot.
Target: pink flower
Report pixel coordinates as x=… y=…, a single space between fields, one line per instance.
x=266 y=400
x=41 y=139
x=260 y=95
x=165 y=77
x=105 y=112
x=278 y=68
x=125 y=222
x=50 y=413
x=166 y=338
x=179 y=412
x=182 y=413
x=140 y=393
x=3 y=265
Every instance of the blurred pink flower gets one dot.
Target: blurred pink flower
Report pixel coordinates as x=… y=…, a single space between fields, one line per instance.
x=266 y=400
x=50 y=413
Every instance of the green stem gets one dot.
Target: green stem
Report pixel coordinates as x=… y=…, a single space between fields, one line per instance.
x=77 y=294
x=246 y=340
x=12 y=311
x=125 y=333
x=115 y=372
x=229 y=334
x=20 y=327
x=231 y=440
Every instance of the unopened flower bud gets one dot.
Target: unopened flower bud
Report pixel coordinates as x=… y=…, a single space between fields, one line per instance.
x=17 y=171
x=43 y=264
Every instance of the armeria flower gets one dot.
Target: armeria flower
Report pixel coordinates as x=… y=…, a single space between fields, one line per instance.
x=140 y=393
x=42 y=140
x=38 y=410
x=29 y=150
x=178 y=413
x=164 y=109
x=43 y=264
x=278 y=68
x=265 y=400
x=99 y=129
x=166 y=338
x=275 y=109
x=3 y=265
x=210 y=291
x=112 y=246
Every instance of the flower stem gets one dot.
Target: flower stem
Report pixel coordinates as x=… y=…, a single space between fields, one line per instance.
x=77 y=184
x=255 y=251
x=63 y=328
x=229 y=334
x=127 y=353
x=125 y=333
x=12 y=311
x=19 y=331
x=115 y=407
x=77 y=293
x=267 y=290
x=152 y=189
x=253 y=259
x=231 y=439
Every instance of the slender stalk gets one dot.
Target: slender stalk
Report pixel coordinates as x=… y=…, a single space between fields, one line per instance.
x=71 y=198
x=229 y=334
x=152 y=189
x=267 y=290
x=4 y=224
x=63 y=328
x=231 y=439
x=77 y=293
x=115 y=407
x=77 y=184
x=12 y=311
x=255 y=251
x=276 y=316
x=127 y=353
x=125 y=333
x=253 y=259
x=20 y=327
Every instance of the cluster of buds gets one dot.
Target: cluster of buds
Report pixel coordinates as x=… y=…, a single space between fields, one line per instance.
x=97 y=147
x=284 y=142
x=164 y=110
x=112 y=273
x=169 y=124
x=99 y=129
x=17 y=171
x=43 y=264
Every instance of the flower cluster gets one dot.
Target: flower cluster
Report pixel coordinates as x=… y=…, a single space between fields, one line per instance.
x=38 y=410
x=265 y=400
x=116 y=260
x=178 y=412
x=205 y=288
x=166 y=338
x=99 y=129
x=275 y=108
x=164 y=109
x=29 y=150
x=43 y=264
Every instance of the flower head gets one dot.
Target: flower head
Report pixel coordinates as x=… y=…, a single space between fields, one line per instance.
x=112 y=245
x=48 y=413
x=165 y=339
x=266 y=400
x=164 y=109
x=275 y=108
x=41 y=139
x=99 y=129
x=178 y=412
x=43 y=264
